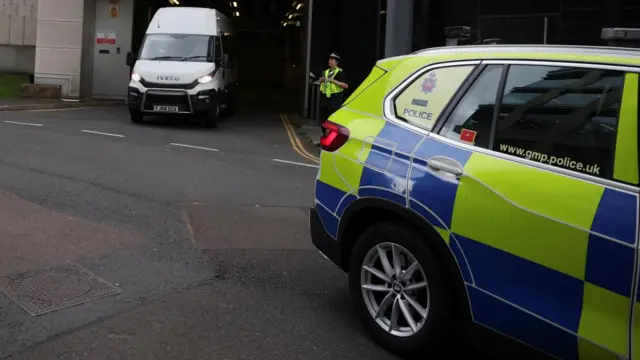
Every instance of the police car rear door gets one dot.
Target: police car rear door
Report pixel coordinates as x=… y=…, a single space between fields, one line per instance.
x=543 y=202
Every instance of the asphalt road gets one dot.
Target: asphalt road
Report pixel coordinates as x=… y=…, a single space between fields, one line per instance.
x=203 y=232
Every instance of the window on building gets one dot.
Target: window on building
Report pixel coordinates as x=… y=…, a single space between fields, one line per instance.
x=561 y=116
x=422 y=102
x=471 y=120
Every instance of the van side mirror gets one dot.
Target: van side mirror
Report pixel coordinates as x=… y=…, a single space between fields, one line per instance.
x=131 y=59
x=218 y=63
x=226 y=60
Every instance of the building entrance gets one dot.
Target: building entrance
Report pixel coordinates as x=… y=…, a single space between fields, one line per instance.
x=114 y=24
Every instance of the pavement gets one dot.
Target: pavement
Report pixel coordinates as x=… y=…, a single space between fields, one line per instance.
x=193 y=242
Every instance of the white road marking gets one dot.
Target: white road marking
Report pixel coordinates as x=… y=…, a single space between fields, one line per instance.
x=66 y=109
x=194 y=147
x=22 y=123
x=102 y=133
x=295 y=163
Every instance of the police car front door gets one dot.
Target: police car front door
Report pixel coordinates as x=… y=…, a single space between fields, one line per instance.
x=537 y=206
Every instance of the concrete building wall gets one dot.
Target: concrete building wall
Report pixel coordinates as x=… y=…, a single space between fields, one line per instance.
x=19 y=59
x=59 y=44
x=18 y=23
x=88 y=39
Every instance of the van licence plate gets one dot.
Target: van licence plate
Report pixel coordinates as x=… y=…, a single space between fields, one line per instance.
x=165 y=108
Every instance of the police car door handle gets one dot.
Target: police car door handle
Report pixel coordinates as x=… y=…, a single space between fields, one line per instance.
x=439 y=165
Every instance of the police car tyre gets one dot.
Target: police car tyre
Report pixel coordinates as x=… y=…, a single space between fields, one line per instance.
x=398 y=288
x=136 y=116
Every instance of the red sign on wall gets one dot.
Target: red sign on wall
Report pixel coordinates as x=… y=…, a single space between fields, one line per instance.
x=106 y=37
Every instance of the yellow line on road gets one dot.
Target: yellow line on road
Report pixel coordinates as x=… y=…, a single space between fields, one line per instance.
x=295 y=141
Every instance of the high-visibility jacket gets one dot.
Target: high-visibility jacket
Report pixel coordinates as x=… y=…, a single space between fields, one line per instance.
x=328 y=88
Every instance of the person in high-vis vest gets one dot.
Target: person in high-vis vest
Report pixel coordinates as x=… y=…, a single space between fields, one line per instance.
x=332 y=85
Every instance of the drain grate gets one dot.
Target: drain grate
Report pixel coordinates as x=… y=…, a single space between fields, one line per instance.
x=57 y=287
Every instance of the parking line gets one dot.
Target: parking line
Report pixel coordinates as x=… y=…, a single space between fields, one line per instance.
x=193 y=147
x=295 y=163
x=65 y=109
x=300 y=146
x=22 y=123
x=102 y=133
x=295 y=142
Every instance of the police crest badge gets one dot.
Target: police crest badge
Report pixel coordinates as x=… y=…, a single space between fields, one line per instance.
x=429 y=83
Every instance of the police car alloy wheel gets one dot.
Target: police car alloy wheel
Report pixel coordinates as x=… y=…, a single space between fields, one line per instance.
x=398 y=288
x=395 y=289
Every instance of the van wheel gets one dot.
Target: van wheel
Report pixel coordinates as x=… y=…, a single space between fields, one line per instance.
x=230 y=109
x=213 y=116
x=398 y=288
x=136 y=116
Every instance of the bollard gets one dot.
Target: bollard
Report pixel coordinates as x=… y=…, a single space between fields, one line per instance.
x=318 y=94
x=311 y=100
x=315 y=103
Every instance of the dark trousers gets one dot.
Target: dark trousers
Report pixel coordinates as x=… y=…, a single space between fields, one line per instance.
x=328 y=106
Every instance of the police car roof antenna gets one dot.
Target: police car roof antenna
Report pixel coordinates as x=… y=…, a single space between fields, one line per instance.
x=159 y=16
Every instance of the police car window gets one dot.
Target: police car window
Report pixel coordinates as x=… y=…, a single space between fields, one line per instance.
x=422 y=102
x=471 y=120
x=561 y=116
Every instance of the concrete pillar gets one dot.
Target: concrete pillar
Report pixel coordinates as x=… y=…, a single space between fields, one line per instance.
x=59 y=45
x=399 y=28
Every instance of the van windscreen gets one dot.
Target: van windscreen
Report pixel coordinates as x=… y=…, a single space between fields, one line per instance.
x=177 y=47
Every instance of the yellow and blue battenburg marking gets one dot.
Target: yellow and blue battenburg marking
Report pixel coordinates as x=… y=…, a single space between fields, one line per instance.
x=546 y=277
x=380 y=162
x=553 y=292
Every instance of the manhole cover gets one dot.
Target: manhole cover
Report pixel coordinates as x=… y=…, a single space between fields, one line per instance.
x=54 y=288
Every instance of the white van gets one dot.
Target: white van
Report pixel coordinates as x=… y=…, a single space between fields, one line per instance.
x=184 y=66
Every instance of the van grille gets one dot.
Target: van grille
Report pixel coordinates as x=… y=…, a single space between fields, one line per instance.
x=149 y=85
x=181 y=100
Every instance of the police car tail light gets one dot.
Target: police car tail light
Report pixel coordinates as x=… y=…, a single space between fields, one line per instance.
x=334 y=136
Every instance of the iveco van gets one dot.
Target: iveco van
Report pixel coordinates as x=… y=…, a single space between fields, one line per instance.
x=184 y=66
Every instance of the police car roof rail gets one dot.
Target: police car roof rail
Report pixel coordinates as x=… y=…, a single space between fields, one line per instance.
x=622 y=41
x=602 y=50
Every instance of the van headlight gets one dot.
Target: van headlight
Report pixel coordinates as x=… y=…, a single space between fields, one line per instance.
x=135 y=77
x=205 y=79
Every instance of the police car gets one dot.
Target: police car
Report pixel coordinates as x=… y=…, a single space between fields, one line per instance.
x=490 y=185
